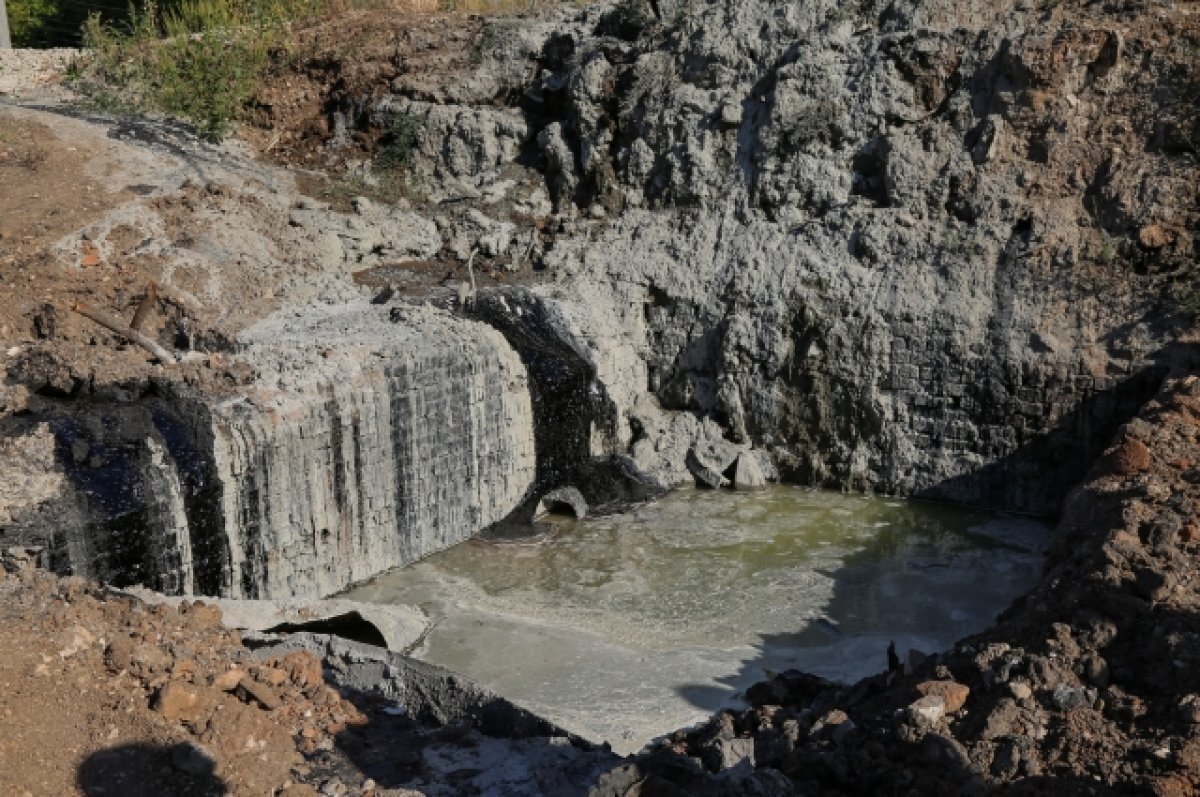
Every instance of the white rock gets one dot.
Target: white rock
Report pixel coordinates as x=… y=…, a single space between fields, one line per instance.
x=927 y=710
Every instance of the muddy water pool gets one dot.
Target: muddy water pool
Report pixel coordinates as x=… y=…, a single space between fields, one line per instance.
x=623 y=628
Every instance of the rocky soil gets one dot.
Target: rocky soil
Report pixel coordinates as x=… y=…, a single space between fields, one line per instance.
x=106 y=695
x=102 y=694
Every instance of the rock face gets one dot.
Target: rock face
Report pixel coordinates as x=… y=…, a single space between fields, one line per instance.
x=840 y=255
x=388 y=442
x=879 y=240
x=408 y=444
x=747 y=474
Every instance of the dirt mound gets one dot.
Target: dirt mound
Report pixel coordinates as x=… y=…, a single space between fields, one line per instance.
x=103 y=694
x=296 y=112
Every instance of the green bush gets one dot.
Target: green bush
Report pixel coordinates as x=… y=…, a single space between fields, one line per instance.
x=400 y=143
x=28 y=18
x=201 y=60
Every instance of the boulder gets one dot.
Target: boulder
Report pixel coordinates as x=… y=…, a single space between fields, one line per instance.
x=723 y=754
x=1131 y=456
x=250 y=691
x=954 y=694
x=568 y=498
x=747 y=475
x=397 y=627
x=706 y=473
x=181 y=702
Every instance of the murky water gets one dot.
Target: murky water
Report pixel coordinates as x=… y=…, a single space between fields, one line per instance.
x=624 y=628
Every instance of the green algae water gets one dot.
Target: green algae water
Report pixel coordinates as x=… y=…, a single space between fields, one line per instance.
x=623 y=628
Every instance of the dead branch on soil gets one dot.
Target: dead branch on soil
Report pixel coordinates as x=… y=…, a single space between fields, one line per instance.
x=129 y=333
x=180 y=298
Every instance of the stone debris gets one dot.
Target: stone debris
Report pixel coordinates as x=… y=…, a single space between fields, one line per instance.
x=249 y=690
x=954 y=695
x=928 y=710
x=166 y=700
x=707 y=474
x=398 y=626
x=179 y=702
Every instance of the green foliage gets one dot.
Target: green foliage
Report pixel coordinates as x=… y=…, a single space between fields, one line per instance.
x=50 y=23
x=399 y=144
x=201 y=60
x=27 y=18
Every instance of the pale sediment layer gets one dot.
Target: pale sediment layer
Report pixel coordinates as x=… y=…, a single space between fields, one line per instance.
x=370 y=446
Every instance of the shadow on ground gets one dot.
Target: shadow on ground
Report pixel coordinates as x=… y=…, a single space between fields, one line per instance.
x=144 y=770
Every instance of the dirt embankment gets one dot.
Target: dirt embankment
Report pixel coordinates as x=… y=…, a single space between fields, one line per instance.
x=102 y=694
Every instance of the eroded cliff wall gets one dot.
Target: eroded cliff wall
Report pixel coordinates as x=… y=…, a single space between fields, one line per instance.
x=927 y=248
x=386 y=443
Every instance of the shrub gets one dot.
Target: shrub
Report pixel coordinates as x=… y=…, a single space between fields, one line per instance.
x=201 y=60
x=400 y=142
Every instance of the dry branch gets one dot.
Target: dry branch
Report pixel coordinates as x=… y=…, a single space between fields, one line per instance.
x=130 y=334
x=180 y=298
